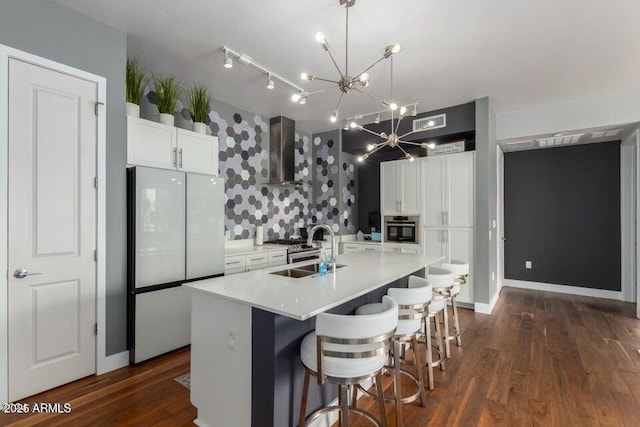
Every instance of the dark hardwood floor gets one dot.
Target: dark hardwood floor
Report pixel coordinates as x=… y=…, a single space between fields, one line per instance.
x=540 y=359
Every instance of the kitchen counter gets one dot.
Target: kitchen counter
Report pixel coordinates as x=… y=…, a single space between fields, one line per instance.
x=303 y=298
x=246 y=331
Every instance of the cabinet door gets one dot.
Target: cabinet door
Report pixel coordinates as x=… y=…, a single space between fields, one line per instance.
x=205 y=225
x=433 y=241
x=460 y=247
x=409 y=186
x=197 y=152
x=460 y=190
x=389 y=197
x=150 y=144
x=433 y=191
x=159 y=226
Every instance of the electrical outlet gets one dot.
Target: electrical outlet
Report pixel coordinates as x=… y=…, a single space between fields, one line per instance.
x=528 y=265
x=231 y=339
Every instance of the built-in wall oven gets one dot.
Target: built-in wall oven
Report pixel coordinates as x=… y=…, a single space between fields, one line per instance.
x=402 y=229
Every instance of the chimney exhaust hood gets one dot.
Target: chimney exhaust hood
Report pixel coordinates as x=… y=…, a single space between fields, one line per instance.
x=282 y=146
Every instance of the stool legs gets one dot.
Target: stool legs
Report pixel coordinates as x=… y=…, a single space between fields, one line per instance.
x=456 y=321
x=441 y=347
x=447 y=347
x=416 y=357
x=305 y=393
x=397 y=382
x=429 y=355
x=383 y=411
x=343 y=402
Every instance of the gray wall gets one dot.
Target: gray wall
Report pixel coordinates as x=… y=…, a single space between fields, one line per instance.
x=55 y=32
x=562 y=212
x=486 y=202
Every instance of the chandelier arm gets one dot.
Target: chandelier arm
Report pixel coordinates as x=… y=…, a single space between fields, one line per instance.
x=410 y=143
x=339 y=102
x=398 y=124
x=409 y=133
x=368 y=68
x=371 y=132
x=402 y=149
x=378 y=148
x=346 y=45
x=369 y=95
x=326 y=80
x=334 y=61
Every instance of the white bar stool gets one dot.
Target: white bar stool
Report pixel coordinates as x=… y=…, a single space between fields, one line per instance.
x=435 y=307
x=413 y=307
x=442 y=281
x=347 y=350
x=460 y=270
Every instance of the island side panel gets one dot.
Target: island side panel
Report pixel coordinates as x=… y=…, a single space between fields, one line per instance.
x=283 y=391
x=220 y=375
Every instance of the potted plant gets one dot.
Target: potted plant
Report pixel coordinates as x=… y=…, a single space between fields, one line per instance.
x=166 y=88
x=136 y=82
x=199 y=106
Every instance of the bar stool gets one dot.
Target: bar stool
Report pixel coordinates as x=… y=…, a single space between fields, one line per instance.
x=460 y=270
x=435 y=307
x=413 y=307
x=347 y=350
x=442 y=281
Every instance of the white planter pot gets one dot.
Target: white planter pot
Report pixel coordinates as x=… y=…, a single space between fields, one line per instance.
x=132 y=109
x=200 y=128
x=166 y=119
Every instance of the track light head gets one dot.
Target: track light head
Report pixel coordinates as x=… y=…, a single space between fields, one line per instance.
x=270 y=83
x=377 y=119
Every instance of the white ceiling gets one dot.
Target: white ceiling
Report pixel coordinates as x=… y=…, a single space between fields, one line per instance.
x=520 y=53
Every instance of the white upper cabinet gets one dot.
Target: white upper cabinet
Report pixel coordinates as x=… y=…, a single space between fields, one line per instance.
x=197 y=152
x=156 y=145
x=150 y=144
x=400 y=187
x=448 y=190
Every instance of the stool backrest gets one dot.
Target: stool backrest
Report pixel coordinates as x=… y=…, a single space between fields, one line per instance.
x=457 y=267
x=355 y=337
x=440 y=277
x=413 y=303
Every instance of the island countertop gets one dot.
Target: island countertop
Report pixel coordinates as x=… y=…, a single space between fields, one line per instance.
x=303 y=298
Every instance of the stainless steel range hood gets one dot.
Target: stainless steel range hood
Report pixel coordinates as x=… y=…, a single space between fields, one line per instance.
x=282 y=146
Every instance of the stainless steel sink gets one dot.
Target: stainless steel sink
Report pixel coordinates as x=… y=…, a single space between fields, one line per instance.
x=293 y=272
x=316 y=267
x=302 y=271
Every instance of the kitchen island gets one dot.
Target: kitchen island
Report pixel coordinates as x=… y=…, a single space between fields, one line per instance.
x=246 y=332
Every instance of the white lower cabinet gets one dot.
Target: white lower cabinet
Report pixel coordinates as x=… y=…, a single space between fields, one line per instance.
x=453 y=243
x=384 y=247
x=234 y=264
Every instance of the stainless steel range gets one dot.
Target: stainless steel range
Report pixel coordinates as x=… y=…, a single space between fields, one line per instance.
x=298 y=250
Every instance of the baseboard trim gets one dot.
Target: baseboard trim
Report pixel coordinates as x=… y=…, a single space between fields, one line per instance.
x=483 y=308
x=564 y=289
x=113 y=362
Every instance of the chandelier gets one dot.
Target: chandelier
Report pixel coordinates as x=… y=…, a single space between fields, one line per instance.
x=346 y=83
x=392 y=139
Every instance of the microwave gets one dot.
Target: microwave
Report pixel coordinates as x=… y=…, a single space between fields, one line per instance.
x=401 y=229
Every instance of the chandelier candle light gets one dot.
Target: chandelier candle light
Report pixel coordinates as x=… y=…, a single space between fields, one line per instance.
x=345 y=83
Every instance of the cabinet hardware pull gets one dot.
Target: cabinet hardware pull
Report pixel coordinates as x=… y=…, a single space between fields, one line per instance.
x=257 y=259
x=175 y=157
x=232 y=262
x=180 y=152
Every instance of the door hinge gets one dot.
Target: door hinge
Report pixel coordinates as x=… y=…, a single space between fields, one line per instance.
x=95 y=329
x=95 y=255
x=95 y=182
x=97 y=104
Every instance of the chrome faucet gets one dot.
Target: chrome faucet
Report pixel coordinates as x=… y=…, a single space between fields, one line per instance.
x=332 y=260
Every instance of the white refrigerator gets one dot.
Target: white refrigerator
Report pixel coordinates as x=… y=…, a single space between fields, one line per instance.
x=175 y=235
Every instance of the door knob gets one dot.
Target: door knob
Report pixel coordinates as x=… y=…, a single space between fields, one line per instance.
x=21 y=273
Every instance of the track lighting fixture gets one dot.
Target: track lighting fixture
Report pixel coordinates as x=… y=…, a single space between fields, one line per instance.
x=270 y=83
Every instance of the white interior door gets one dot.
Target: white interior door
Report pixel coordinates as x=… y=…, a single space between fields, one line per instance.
x=52 y=228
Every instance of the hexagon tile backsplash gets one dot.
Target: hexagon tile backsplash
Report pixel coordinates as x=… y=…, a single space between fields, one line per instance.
x=243 y=140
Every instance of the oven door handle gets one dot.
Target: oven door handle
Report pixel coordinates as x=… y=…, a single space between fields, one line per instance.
x=401 y=224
